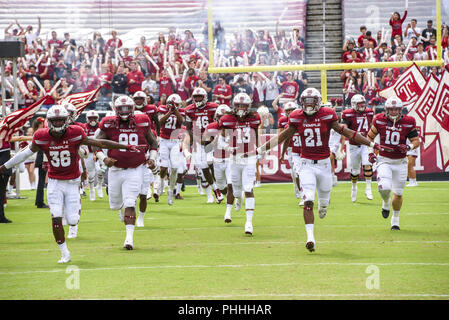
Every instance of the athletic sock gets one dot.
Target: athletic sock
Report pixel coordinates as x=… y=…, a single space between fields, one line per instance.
x=249 y=216
x=141 y=214
x=64 y=249
x=368 y=185
x=178 y=188
x=395 y=218
x=354 y=185
x=412 y=181
x=309 y=230
x=129 y=231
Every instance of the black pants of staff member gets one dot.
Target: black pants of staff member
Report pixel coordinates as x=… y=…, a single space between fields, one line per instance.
x=4 y=156
x=39 y=202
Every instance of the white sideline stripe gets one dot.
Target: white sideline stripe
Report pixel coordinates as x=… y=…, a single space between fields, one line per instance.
x=293 y=295
x=238 y=266
x=246 y=243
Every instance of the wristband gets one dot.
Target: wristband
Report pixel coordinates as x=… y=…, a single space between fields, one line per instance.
x=100 y=156
x=153 y=155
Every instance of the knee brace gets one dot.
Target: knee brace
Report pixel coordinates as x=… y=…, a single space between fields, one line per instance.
x=368 y=172
x=308 y=206
x=354 y=178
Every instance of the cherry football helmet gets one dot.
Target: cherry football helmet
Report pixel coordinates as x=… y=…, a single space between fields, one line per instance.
x=393 y=108
x=358 y=103
x=174 y=100
x=92 y=117
x=199 y=97
x=242 y=104
x=124 y=107
x=221 y=110
x=311 y=101
x=139 y=99
x=58 y=118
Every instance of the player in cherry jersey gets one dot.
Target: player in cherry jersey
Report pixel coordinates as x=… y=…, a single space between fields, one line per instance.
x=125 y=167
x=222 y=167
x=293 y=147
x=198 y=115
x=92 y=164
x=185 y=156
x=140 y=100
x=394 y=129
x=60 y=142
x=314 y=123
x=170 y=121
x=359 y=119
x=241 y=128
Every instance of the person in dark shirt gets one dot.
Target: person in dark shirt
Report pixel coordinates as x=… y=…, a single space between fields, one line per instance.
x=119 y=82
x=428 y=33
x=242 y=86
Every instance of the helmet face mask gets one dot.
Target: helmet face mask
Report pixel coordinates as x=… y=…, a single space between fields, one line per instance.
x=241 y=109
x=124 y=107
x=174 y=101
x=199 y=97
x=58 y=119
x=92 y=121
x=393 y=109
x=310 y=101
x=358 y=103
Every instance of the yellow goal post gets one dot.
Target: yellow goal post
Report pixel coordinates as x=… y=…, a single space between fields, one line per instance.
x=323 y=67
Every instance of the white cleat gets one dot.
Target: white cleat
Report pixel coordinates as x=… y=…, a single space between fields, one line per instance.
x=301 y=203
x=257 y=184
x=200 y=190
x=369 y=194
x=210 y=199
x=354 y=195
x=412 y=184
x=297 y=194
x=237 y=204
x=92 y=194
x=334 y=181
x=139 y=222
x=100 y=192
x=227 y=218
x=170 y=197
x=73 y=232
x=64 y=259
x=128 y=244
x=322 y=212
x=248 y=228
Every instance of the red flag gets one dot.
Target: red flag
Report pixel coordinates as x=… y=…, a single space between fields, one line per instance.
x=80 y=100
x=17 y=119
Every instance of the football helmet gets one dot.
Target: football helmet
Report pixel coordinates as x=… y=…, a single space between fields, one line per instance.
x=124 y=107
x=92 y=117
x=393 y=108
x=221 y=110
x=71 y=109
x=58 y=118
x=358 y=103
x=137 y=96
x=174 y=100
x=290 y=106
x=311 y=101
x=242 y=103
x=199 y=97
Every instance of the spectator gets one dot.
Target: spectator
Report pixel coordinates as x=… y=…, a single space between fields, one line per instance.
x=219 y=36
x=290 y=88
x=427 y=34
x=412 y=30
x=135 y=78
x=396 y=25
x=165 y=85
x=113 y=43
x=206 y=83
x=89 y=80
x=349 y=54
x=301 y=80
x=277 y=108
x=15 y=35
x=119 y=81
x=258 y=85
x=55 y=42
x=105 y=81
x=431 y=49
x=50 y=99
x=362 y=36
x=351 y=88
x=72 y=42
x=149 y=86
x=31 y=95
x=30 y=36
x=242 y=86
x=222 y=91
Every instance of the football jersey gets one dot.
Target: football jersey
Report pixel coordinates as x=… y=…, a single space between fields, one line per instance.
x=213 y=130
x=392 y=136
x=314 y=132
x=62 y=153
x=295 y=141
x=200 y=117
x=90 y=132
x=150 y=110
x=129 y=133
x=243 y=137
x=358 y=121
x=171 y=124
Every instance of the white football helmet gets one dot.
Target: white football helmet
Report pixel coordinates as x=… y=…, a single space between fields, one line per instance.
x=356 y=100
x=71 y=109
x=137 y=96
x=242 y=104
x=311 y=101
x=58 y=118
x=92 y=117
x=174 y=100
x=393 y=108
x=221 y=110
x=199 y=97
x=124 y=107
x=290 y=107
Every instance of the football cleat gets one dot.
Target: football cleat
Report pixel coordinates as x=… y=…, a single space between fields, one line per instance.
x=385 y=213
x=200 y=190
x=297 y=194
x=334 y=181
x=237 y=204
x=156 y=197
x=395 y=228
x=183 y=187
x=170 y=197
x=369 y=194
x=73 y=232
x=310 y=245
x=210 y=199
x=301 y=203
x=257 y=184
x=322 y=212
x=248 y=228
x=354 y=194
x=218 y=196
x=139 y=222
x=412 y=184
x=100 y=192
x=64 y=259
x=178 y=197
x=92 y=194
x=227 y=218
x=128 y=244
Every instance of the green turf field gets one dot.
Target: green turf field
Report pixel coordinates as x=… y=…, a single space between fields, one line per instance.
x=187 y=252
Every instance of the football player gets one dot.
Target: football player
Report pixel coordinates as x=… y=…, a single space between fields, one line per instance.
x=359 y=119
x=313 y=123
x=198 y=116
x=241 y=128
x=125 y=167
x=60 y=142
x=140 y=100
x=394 y=129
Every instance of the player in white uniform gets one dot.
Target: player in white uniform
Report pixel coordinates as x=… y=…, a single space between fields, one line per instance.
x=411 y=156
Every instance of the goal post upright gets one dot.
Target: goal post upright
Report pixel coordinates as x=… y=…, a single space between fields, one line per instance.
x=323 y=67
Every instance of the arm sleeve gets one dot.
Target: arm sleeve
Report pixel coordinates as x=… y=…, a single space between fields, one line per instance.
x=19 y=158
